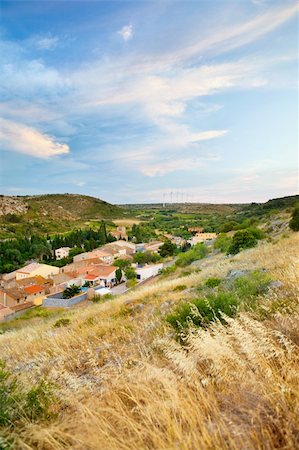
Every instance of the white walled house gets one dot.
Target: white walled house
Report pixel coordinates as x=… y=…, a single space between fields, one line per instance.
x=43 y=270
x=148 y=271
x=62 y=252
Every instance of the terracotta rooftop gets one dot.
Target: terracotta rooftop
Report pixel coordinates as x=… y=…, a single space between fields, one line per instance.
x=103 y=271
x=33 y=289
x=90 y=277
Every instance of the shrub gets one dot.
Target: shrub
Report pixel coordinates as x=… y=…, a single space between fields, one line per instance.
x=199 y=251
x=131 y=283
x=180 y=287
x=241 y=240
x=16 y=404
x=130 y=274
x=9 y=396
x=39 y=402
x=294 y=222
x=212 y=282
x=256 y=232
x=167 y=249
x=222 y=242
x=249 y=287
x=167 y=270
x=203 y=311
x=62 y=322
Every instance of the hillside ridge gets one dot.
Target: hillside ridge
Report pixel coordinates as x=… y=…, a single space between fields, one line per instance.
x=44 y=213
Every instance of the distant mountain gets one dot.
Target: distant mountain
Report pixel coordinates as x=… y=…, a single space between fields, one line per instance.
x=52 y=213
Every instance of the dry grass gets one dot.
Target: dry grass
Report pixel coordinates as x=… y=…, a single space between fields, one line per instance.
x=126 y=384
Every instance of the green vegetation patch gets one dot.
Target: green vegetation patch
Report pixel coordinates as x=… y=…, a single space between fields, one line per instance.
x=18 y=405
x=243 y=293
x=201 y=312
x=197 y=252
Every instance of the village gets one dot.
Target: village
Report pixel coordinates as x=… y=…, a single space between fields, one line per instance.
x=109 y=270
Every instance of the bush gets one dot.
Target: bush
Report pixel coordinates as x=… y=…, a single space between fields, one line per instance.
x=241 y=240
x=146 y=257
x=203 y=311
x=180 y=287
x=212 y=282
x=249 y=287
x=167 y=249
x=17 y=404
x=40 y=401
x=294 y=222
x=168 y=270
x=222 y=242
x=199 y=251
x=62 y=322
x=131 y=283
x=130 y=274
x=9 y=397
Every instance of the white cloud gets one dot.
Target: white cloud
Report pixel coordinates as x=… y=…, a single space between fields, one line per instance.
x=126 y=32
x=22 y=139
x=46 y=42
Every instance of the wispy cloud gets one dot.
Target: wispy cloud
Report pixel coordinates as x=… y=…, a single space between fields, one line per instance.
x=46 y=42
x=20 y=138
x=126 y=32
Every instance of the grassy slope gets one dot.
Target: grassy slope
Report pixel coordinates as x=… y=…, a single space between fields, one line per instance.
x=126 y=384
x=46 y=213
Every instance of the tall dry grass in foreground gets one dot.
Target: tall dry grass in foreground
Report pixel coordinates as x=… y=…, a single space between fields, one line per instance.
x=125 y=383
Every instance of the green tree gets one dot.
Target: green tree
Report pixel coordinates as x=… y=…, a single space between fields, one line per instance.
x=222 y=242
x=241 y=240
x=122 y=263
x=103 y=233
x=118 y=275
x=71 y=291
x=130 y=273
x=167 y=249
x=294 y=222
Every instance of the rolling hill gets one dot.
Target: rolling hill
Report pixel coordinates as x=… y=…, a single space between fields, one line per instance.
x=52 y=213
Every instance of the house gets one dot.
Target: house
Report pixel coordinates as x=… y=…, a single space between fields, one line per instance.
x=12 y=297
x=114 y=250
x=130 y=247
x=62 y=252
x=119 y=233
x=103 y=275
x=153 y=246
x=63 y=280
x=46 y=283
x=34 y=294
x=202 y=237
x=106 y=257
x=35 y=268
x=148 y=271
x=17 y=296
x=195 y=230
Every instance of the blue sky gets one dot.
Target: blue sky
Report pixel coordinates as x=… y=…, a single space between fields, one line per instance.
x=132 y=100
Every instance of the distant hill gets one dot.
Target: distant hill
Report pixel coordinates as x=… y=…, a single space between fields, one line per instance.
x=52 y=213
x=278 y=204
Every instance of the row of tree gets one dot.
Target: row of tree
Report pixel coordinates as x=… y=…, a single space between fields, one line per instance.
x=14 y=253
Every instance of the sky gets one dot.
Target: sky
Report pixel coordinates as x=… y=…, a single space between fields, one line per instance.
x=145 y=101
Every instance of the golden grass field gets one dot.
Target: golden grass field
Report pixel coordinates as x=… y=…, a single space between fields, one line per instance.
x=125 y=383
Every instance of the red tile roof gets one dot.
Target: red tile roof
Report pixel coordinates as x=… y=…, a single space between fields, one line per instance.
x=33 y=289
x=90 y=277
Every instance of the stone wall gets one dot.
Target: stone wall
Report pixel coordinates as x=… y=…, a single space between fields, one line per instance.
x=55 y=301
